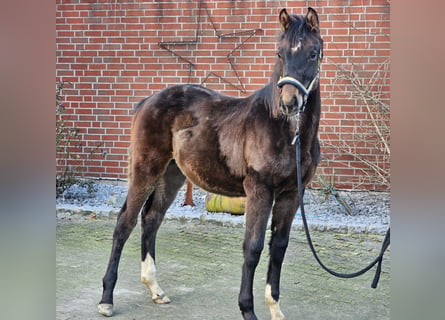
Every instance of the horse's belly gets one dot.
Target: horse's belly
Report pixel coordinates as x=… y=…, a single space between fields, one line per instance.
x=197 y=155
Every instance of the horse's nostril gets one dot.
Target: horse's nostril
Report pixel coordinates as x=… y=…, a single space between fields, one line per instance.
x=289 y=101
x=286 y=107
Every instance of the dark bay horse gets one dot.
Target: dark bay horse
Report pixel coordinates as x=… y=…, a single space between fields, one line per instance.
x=229 y=146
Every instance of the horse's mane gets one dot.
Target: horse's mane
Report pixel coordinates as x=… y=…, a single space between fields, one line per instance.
x=266 y=96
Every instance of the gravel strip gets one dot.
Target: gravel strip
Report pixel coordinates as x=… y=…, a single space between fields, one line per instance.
x=363 y=212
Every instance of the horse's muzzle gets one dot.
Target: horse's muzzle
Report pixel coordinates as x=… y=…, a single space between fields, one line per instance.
x=293 y=105
x=293 y=95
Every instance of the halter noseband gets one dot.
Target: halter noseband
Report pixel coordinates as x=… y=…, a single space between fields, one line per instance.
x=294 y=82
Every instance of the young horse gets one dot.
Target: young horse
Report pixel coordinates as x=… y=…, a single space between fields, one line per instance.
x=229 y=146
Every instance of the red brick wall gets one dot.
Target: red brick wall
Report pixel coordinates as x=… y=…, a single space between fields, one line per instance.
x=114 y=53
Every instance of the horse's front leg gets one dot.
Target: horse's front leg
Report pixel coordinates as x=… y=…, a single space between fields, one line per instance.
x=283 y=213
x=258 y=205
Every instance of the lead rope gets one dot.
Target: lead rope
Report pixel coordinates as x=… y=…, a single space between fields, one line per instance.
x=385 y=244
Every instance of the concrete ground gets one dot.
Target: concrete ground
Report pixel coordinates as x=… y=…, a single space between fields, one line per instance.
x=199 y=267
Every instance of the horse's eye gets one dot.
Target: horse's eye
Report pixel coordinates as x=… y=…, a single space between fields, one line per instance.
x=279 y=54
x=313 y=56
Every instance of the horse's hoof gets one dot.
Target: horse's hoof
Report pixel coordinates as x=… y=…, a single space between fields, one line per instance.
x=161 y=299
x=278 y=316
x=105 y=309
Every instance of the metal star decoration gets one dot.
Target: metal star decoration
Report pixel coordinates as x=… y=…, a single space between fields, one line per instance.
x=204 y=11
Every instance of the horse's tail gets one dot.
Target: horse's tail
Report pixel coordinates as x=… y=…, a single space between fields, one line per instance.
x=135 y=110
x=140 y=103
x=129 y=173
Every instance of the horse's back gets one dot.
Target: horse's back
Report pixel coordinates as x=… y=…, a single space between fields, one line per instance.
x=185 y=98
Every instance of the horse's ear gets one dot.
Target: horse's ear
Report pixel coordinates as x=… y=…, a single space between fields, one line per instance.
x=285 y=20
x=312 y=20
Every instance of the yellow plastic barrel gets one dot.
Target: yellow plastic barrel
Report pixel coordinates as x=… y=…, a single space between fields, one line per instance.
x=219 y=203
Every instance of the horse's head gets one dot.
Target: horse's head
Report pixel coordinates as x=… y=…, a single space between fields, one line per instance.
x=300 y=52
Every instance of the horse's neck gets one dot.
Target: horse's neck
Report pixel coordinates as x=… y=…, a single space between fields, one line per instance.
x=310 y=121
x=314 y=106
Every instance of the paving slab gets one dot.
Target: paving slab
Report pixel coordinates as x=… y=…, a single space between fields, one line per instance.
x=199 y=267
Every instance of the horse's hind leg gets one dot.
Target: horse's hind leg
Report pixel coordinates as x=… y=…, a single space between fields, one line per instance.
x=126 y=222
x=144 y=177
x=152 y=215
x=282 y=215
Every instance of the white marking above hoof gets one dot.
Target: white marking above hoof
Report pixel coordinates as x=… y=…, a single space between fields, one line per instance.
x=274 y=306
x=148 y=277
x=105 y=309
